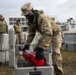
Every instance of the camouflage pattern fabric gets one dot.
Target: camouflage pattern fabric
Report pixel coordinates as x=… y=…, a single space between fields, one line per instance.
x=19 y=33
x=3 y=29
x=19 y=38
x=56 y=55
x=51 y=33
x=6 y=26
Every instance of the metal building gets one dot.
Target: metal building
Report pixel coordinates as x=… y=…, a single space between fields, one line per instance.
x=70 y=40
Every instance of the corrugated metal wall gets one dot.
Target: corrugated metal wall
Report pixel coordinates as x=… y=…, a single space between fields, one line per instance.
x=70 y=41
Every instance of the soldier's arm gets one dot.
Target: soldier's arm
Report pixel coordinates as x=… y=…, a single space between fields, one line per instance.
x=14 y=28
x=31 y=34
x=6 y=27
x=47 y=34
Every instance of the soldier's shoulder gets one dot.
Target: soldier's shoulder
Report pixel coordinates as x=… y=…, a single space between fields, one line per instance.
x=5 y=22
x=1 y=22
x=42 y=16
x=41 y=11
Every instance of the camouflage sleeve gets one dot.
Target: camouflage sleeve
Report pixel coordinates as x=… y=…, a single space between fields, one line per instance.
x=31 y=34
x=6 y=26
x=46 y=29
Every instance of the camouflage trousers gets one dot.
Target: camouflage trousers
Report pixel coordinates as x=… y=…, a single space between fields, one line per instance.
x=56 y=55
x=19 y=38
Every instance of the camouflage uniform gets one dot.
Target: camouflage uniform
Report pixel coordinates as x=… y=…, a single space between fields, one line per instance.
x=3 y=29
x=19 y=33
x=51 y=33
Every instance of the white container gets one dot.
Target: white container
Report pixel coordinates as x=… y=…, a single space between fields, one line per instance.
x=70 y=40
x=4 y=56
x=21 y=69
x=12 y=40
x=4 y=45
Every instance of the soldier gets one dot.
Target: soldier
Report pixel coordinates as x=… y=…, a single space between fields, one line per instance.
x=3 y=27
x=50 y=31
x=19 y=32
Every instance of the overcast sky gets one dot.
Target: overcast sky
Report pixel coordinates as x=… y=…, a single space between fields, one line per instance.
x=64 y=9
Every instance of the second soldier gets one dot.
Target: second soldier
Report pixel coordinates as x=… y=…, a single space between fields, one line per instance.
x=19 y=32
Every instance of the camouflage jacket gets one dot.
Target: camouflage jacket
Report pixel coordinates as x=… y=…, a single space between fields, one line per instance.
x=18 y=28
x=3 y=27
x=45 y=26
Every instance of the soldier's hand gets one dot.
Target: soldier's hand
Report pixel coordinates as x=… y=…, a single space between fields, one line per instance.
x=39 y=53
x=25 y=47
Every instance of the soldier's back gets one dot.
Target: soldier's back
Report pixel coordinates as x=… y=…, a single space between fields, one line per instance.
x=2 y=27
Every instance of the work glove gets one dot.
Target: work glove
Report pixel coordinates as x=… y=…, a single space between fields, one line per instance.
x=25 y=47
x=39 y=53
